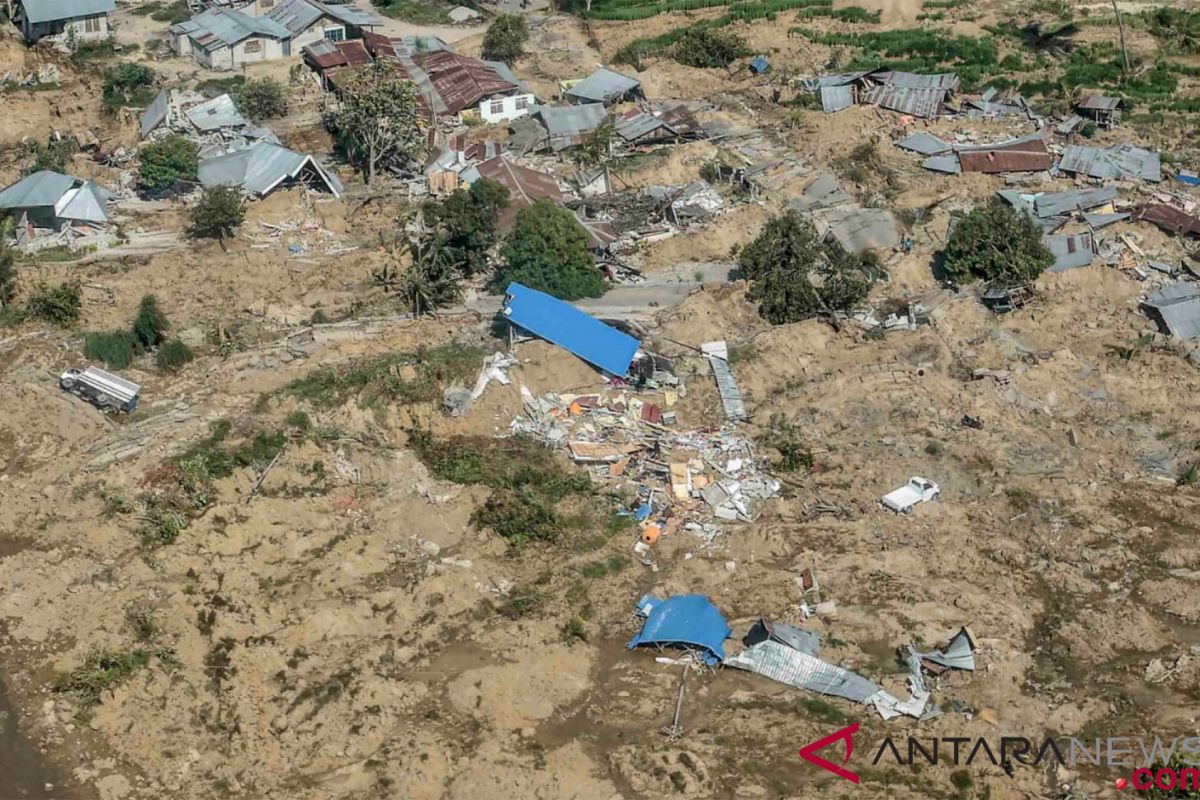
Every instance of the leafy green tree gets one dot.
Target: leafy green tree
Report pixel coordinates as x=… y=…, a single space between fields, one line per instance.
x=794 y=275
x=597 y=145
x=701 y=46
x=173 y=355
x=466 y=223
x=125 y=84
x=548 y=251
x=377 y=124
x=53 y=156
x=114 y=348
x=58 y=304
x=217 y=214
x=150 y=325
x=505 y=39
x=170 y=159
x=997 y=243
x=262 y=98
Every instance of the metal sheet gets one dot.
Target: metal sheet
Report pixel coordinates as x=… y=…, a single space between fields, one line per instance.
x=917 y=102
x=790 y=666
x=225 y=27
x=944 y=163
x=945 y=81
x=565 y=325
x=1121 y=161
x=214 y=114
x=685 y=619
x=958 y=654
x=862 y=229
x=603 y=86
x=836 y=98
x=1070 y=252
x=42 y=188
x=924 y=143
x=38 y=11
x=155 y=113
x=1055 y=203
x=1169 y=218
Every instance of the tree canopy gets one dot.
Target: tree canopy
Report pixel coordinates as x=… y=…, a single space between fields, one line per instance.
x=217 y=214
x=709 y=47
x=170 y=159
x=505 y=39
x=794 y=275
x=548 y=251
x=997 y=243
x=262 y=98
x=465 y=222
x=150 y=325
x=377 y=125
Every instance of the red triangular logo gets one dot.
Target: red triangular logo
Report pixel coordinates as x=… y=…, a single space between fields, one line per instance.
x=846 y=734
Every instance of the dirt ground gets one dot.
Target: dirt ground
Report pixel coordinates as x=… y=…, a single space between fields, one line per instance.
x=339 y=625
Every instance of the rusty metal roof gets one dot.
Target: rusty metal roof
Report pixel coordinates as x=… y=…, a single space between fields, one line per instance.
x=325 y=54
x=460 y=81
x=1027 y=154
x=925 y=103
x=1169 y=218
x=525 y=186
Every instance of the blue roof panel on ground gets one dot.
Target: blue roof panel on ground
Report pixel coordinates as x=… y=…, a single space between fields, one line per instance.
x=685 y=619
x=565 y=325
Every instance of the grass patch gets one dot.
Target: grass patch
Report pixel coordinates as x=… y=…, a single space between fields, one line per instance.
x=916 y=50
x=421 y=12
x=95 y=51
x=522 y=601
x=1020 y=499
x=102 y=670
x=403 y=377
x=212 y=87
x=600 y=569
x=115 y=348
x=172 y=14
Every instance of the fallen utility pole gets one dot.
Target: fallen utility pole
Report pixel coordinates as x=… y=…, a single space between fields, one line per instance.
x=675 y=730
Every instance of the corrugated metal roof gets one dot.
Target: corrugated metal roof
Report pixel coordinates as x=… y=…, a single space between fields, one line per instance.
x=1098 y=102
x=777 y=661
x=299 y=15
x=214 y=114
x=636 y=124
x=836 y=98
x=85 y=204
x=42 y=188
x=1120 y=161
x=823 y=191
x=1097 y=221
x=262 y=167
x=918 y=102
x=399 y=46
x=525 y=186
x=572 y=120
x=861 y=229
x=946 y=81
x=603 y=86
x=840 y=79
x=1069 y=124
x=1169 y=218
x=225 y=27
x=1026 y=154
x=565 y=325
x=155 y=113
x=37 y=11
x=924 y=143
x=1070 y=252
x=1054 y=203
x=461 y=82
x=681 y=121
x=943 y=163
x=1178 y=306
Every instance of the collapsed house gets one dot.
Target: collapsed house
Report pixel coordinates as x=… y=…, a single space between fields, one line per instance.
x=325 y=56
x=835 y=215
x=1052 y=210
x=1023 y=154
x=1176 y=308
x=56 y=210
x=911 y=94
x=556 y=128
x=1124 y=161
x=1104 y=110
x=997 y=105
x=604 y=86
x=263 y=167
x=637 y=127
x=562 y=324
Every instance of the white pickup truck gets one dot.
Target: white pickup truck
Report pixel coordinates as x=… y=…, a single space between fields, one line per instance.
x=917 y=490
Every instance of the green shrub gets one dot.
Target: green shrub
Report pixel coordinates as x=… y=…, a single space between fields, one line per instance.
x=101 y=671
x=709 y=47
x=150 y=325
x=996 y=243
x=8 y=270
x=505 y=39
x=173 y=356
x=54 y=156
x=376 y=380
x=262 y=98
x=58 y=304
x=548 y=251
x=126 y=84
x=114 y=348
x=170 y=159
x=217 y=214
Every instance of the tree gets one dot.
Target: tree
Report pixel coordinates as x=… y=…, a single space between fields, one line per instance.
x=505 y=39
x=54 y=156
x=997 y=243
x=125 y=84
x=794 y=275
x=377 y=124
x=701 y=46
x=466 y=223
x=150 y=325
x=8 y=272
x=548 y=251
x=217 y=214
x=595 y=147
x=431 y=281
x=170 y=159
x=262 y=98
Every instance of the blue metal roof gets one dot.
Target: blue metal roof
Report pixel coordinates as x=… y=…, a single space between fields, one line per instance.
x=50 y=10
x=685 y=619
x=565 y=325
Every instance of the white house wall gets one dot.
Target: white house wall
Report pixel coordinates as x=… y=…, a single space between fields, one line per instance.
x=66 y=29
x=268 y=50
x=511 y=107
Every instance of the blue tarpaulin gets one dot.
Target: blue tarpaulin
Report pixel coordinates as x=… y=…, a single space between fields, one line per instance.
x=685 y=619
x=565 y=325
x=759 y=65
